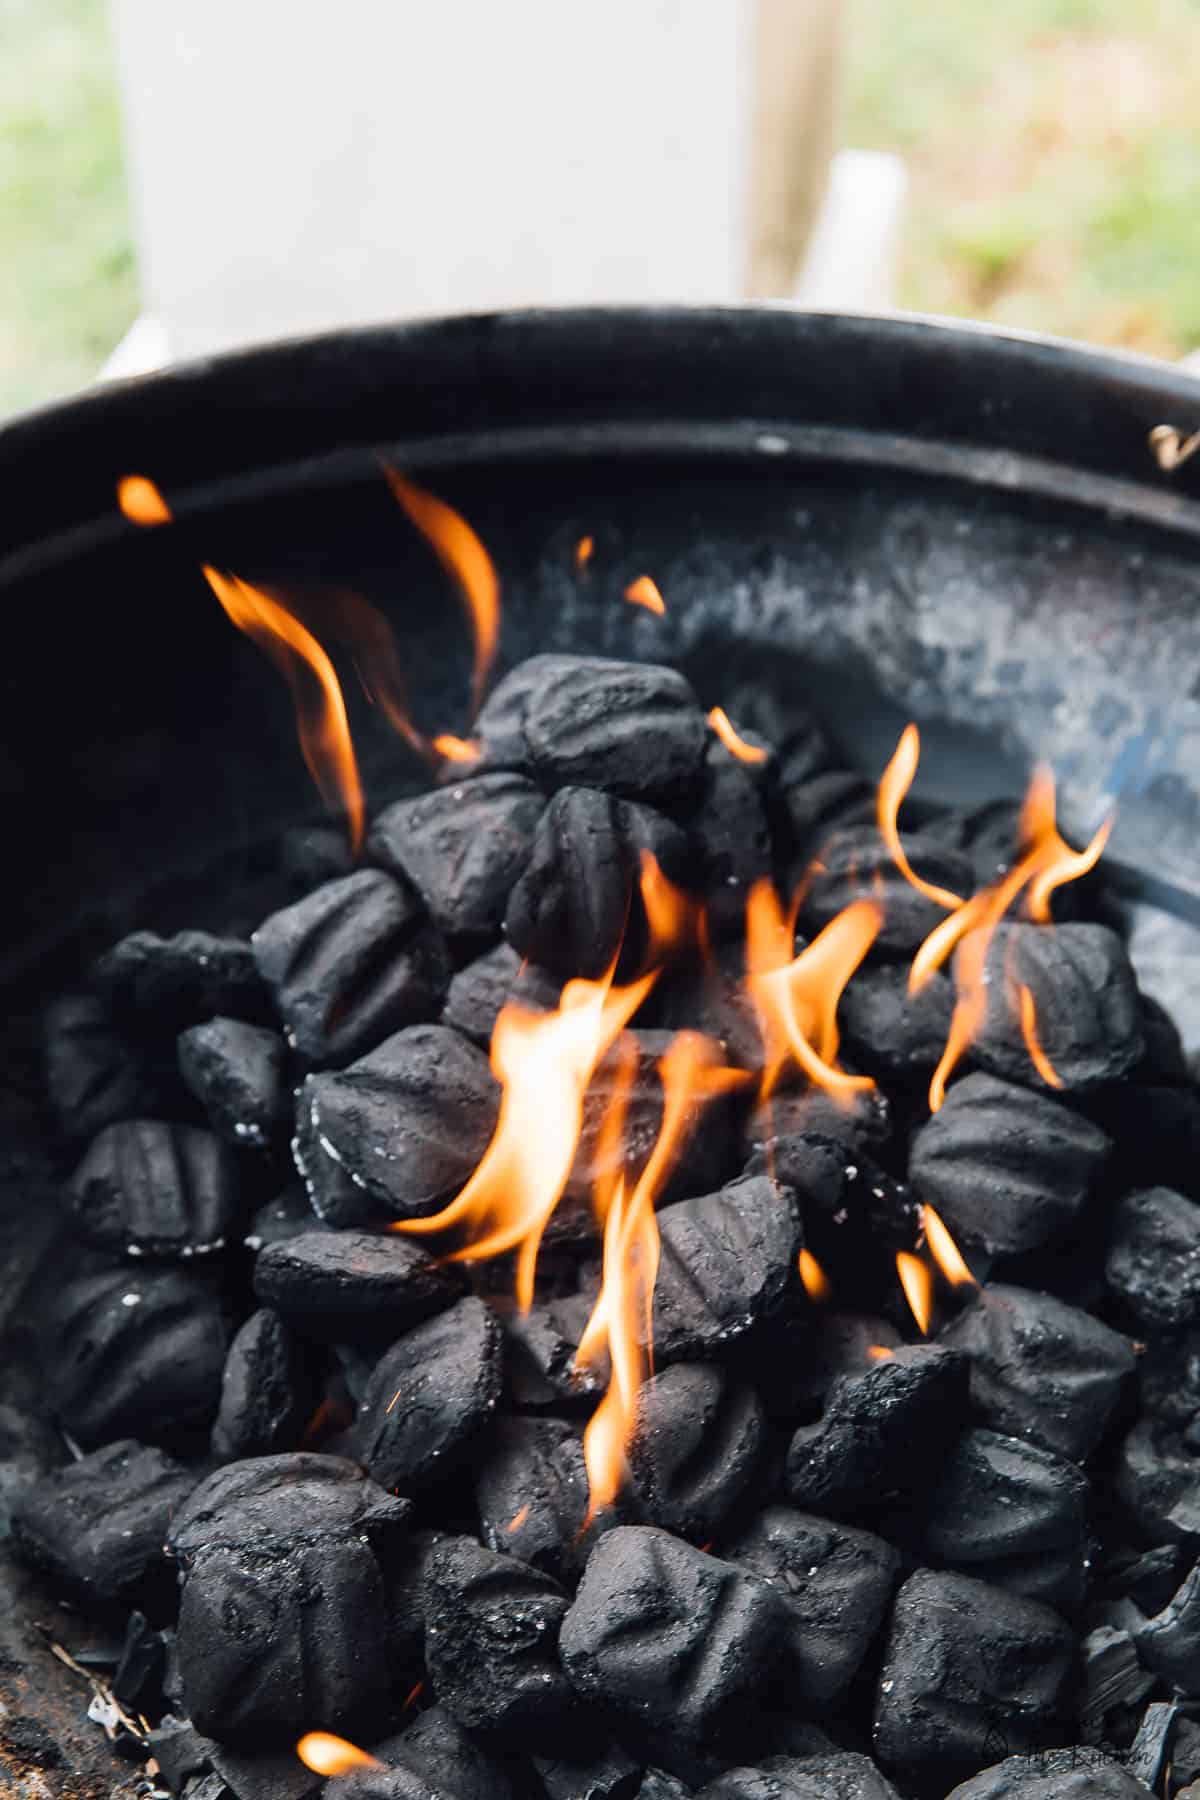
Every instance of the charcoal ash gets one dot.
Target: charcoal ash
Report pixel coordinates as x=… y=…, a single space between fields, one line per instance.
x=1153 y=1265
x=1156 y=1482
x=531 y=1492
x=1007 y=1169
x=1169 y=1643
x=732 y=836
x=889 y=1032
x=964 y=1663
x=726 y=1261
x=540 y=1348
x=837 y=1582
x=351 y=962
x=398 y=1130
x=1080 y=1772
x=846 y=1775
x=1040 y=1369
x=98 y=1071
x=268 y=1390
x=856 y=864
x=350 y=1284
x=861 y=1121
x=430 y=1396
x=238 y=1073
x=462 y=848
x=147 y=1188
x=697 y=1446
x=480 y=989
x=174 y=982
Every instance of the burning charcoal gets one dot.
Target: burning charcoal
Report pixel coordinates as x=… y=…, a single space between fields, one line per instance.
x=855 y=1216
x=96 y=1074
x=430 y=1396
x=837 y=1583
x=479 y=991
x=399 y=1130
x=97 y=1527
x=842 y=1776
x=732 y=836
x=1154 y=1257
x=350 y=1284
x=610 y=1774
x=1011 y=1514
x=697 y=1444
x=726 y=1260
x=965 y=1660
x=808 y=811
x=462 y=848
x=856 y=864
x=237 y=1073
x=708 y=994
x=1079 y=1773
x=445 y=1759
x=1040 y=1369
x=130 y=1351
x=1085 y=1000
x=491 y=1638
x=878 y=1430
x=540 y=1353
x=570 y=909
x=267 y=1391
x=150 y=1189
x=282 y=1618
x=310 y=855
x=1007 y=1169
x=1157 y=1483
x=671 y=1641
x=173 y=982
x=890 y=1033
x=862 y=1122
x=532 y=1495
x=350 y=963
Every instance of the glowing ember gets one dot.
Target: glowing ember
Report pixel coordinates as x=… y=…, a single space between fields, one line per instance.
x=325 y=1754
x=316 y=692
x=583 y=552
x=817 y=1284
x=456 y=749
x=463 y=556
x=644 y=592
x=894 y=784
x=518 y=1519
x=1027 y=1012
x=141 y=501
x=718 y=718
x=945 y=1252
x=413 y=1695
x=916 y=1278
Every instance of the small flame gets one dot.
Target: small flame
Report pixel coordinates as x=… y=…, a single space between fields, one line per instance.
x=674 y=919
x=413 y=1695
x=325 y=1754
x=945 y=1252
x=737 y=746
x=463 y=556
x=880 y=1353
x=817 y=1284
x=316 y=692
x=518 y=1519
x=916 y=1278
x=894 y=784
x=644 y=592
x=1027 y=1010
x=141 y=501
x=583 y=551
x=456 y=749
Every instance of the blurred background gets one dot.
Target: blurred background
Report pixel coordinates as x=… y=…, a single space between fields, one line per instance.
x=1041 y=167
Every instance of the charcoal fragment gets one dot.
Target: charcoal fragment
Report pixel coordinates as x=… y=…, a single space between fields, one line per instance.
x=726 y=1261
x=964 y=1660
x=350 y=1284
x=698 y=1439
x=1111 y=1680
x=430 y=1396
x=97 y=1073
x=633 y=729
x=844 y=1775
x=891 y=1033
x=856 y=864
x=137 y=1677
x=173 y=982
x=397 y=1131
x=145 y=1188
x=461 y=847
x=610 y=1774
x=133 y=1351
x=540 y=1352
x=1041 y=1369
x=491 y=1638
x=480 y=989
x=658 y=1784
x=1169 y=1643
x=268 y=1390
x=669 y=1640
x=237 y=1072
x=532 y=1495
x=837 y=1582
x=98 y=1526
x=1148 y=1756
x=437 y=1752
x=180 y=1752
x=1154 y=1257
x=1157 y=1482
x=1081 y=1772
x=1007 y=1169
x=349 y=963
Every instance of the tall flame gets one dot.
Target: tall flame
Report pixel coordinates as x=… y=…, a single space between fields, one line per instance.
x=316 y=692
x=140 y=500
x=1027 y=1013
x=894 y=784
x=944 y=1251
x=461 y=553
x=737 y=746
x=325 y=1754
x=916 y=1278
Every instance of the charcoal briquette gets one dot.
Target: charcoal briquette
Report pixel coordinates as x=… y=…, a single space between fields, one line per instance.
x=310 y=855
x=1111 y=1680
x=385 y=1784
x=1007 y=1169
x=146 y=1188
x=288 y=1215
x=491 y=1645
x=1155 y=1128
x=136 y=1680
x=1041 y=1369
x=540 y=1348
x=1169 y=1377
x=97 y=1072
x=726 y=1261
x=430 y=1396
x=963 y=1662
x=844 y=1775
x=609 y=1774
x=708 y=994
x=98 y=1526
x=862 y=1120
x=659 y=1784
x=404 y=1571
x=1081 y=1772
x=351 y=962
x=500 y=726
x=730 y=830
x=1157 y=1483
x=633 y=729
x=461 y=847
x=837 y=1582
x=446 y=1759
x=856 y=1217
x=1153 y=1264
x=670 y=1641
x=807 y=810
x=889 y=1032
x=532 y=1495
x=268 y=1390
x=856 y=864
x=350 y=1284
x=698 y=1441
x=795 y=1360
x=1147 y=1577
x=238 y=1073
x=398 y=1130
x=174 y=982
x=1169 y=1643
x=254 y=1774
x=482 y=988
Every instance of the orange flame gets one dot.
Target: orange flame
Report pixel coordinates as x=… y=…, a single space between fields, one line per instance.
x=737 y=746
x=817 y=1284
x=916 y=1278
x=413 y=1695
x=456 y=749
x=945 y=1252
x=796 y=997
x=141 y=501
x=325 y=1754
x=1027 y=1010
x=316 y=692
x=583 y=551
x=674 y=919
x=894 y=784
x=644 y=592
x=880 y=1353
x=518 y=1519
x=463 y=556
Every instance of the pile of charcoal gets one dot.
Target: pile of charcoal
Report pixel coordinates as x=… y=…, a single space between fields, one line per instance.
x=325 y=1478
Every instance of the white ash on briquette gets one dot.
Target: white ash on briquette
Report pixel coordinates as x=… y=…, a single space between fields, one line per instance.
x=843 y=1563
